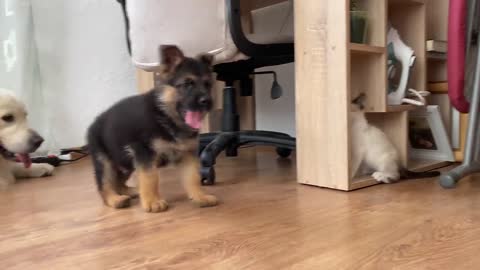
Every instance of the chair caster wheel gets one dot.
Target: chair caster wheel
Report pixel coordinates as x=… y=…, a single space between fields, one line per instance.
x=284 y=152
x=208 y=176
x=447 y=181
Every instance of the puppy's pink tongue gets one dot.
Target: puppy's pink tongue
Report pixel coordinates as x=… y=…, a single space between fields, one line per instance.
x=193 y=119
x=25 y=159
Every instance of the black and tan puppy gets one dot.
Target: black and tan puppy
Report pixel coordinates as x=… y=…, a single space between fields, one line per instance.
x=146 y=132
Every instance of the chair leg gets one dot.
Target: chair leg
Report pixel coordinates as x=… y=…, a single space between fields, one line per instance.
x=470 y=163
x=211 y=145
x=210 y=153
x=230 y=117
x=206 y=139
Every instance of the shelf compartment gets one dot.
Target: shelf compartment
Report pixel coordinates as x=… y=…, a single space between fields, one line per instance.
x=377 y=21
x=395 y=126
x=366 y=71
x=410 y=21
x=426 y=165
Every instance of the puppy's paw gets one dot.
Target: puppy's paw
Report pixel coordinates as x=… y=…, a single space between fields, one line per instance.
x=154 y=206
x=42 y=170
x=384 y=177
x=205 y=200
x=120 y=201
x=132 y=192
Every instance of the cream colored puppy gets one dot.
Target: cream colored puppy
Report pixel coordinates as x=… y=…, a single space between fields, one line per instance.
x=17 y=138
x=372 y=148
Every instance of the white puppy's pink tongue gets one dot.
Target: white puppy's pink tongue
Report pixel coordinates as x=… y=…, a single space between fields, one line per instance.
x=25 y=159
x=193 y=119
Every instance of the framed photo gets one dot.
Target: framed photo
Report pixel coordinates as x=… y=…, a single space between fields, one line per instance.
x=427 y=136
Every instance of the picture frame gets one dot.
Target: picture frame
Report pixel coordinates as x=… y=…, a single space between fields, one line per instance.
x=428 y=139
x=458 y=121
x=455 y=129
x=460 y=126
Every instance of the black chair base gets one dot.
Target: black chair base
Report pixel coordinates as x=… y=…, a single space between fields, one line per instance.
x=212 y=144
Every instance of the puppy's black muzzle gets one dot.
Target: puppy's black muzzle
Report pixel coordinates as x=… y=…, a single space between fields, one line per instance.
x=35 y=141
x=205 y=103
x=200 y=103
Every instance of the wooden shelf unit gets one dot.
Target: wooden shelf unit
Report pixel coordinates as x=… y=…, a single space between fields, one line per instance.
x=337 y=79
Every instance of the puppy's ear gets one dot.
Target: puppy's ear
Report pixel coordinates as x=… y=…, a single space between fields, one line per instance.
x=171 y=57
x=360 y=101
x=206 y=58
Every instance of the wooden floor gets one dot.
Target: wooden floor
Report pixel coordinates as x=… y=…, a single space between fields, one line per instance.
x=265 y=221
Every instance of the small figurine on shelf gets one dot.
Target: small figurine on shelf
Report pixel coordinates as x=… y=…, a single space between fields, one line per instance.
x=358 y=23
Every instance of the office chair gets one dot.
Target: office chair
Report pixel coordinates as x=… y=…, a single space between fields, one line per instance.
x=214 y=26
x=464 y=81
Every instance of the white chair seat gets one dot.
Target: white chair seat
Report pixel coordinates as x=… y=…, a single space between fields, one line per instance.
x=200 y=28
x=269 y=39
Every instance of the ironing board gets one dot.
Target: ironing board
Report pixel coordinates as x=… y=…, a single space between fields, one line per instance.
x=464 y=81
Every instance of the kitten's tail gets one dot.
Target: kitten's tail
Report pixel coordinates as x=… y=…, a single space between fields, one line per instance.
x=407 y=174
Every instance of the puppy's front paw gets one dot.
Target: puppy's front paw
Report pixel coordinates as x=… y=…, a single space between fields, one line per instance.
x=154 y=206
x=132 y=192
x=384 y=177
x=205 y=200
x=120 y=201
x=42 y=170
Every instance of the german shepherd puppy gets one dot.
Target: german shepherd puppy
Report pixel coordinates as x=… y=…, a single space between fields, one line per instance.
x=146 y=132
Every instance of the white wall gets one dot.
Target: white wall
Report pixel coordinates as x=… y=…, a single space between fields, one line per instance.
x=18 y=66
x=84 y=63
x=279 y=114
x=276 y=115
x=84 y=68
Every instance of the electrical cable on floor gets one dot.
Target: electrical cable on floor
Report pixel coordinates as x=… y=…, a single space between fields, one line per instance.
x=56 y=161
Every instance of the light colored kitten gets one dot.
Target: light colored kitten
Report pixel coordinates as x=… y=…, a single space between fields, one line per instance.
x=372 y=148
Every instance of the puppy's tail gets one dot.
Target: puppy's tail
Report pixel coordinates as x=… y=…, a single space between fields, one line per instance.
x=96 y=150
x=407 y=174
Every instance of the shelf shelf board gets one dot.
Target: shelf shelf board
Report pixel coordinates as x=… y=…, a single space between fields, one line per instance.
x=434 y=56
x=414 y=165
x=438 y=87
x=406 y=2
x=362 y=182
x=402 y=108
x=426 y=165
x=366 y=49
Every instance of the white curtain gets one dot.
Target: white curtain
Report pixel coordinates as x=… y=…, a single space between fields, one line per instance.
x=67 y=60
x=19 y=68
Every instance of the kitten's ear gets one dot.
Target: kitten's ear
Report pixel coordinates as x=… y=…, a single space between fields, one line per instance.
x=171 y=57
x=360 y=101
x=206 y=58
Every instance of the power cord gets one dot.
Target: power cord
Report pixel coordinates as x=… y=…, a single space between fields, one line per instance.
x=60 y=160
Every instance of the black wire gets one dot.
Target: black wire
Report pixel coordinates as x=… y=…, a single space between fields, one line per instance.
x=64 y=162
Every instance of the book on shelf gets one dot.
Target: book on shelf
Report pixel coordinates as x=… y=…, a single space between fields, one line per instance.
x=440 y=46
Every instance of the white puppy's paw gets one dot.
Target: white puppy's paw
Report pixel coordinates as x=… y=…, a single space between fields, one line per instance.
x=386 y=178
x=41 y=170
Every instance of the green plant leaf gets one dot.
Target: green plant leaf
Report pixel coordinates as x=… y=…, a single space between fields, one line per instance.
x=353 y=5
